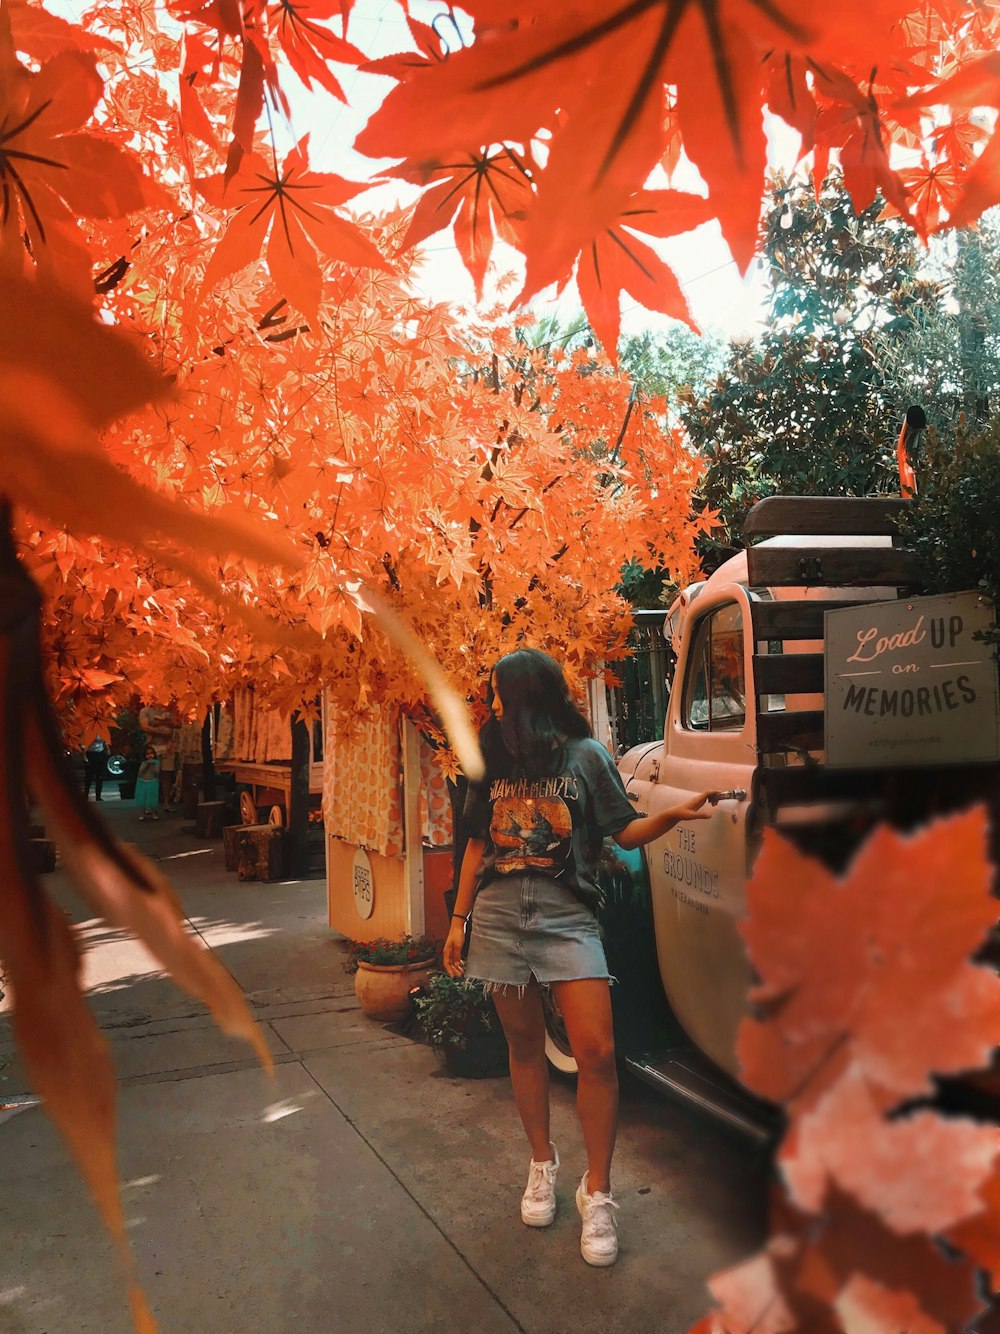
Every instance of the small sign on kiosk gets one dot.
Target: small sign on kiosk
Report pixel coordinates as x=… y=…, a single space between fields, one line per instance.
x=908 y=682
x=364 y=884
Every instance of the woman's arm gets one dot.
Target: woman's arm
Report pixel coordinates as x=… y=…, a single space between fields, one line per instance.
x=452 y=956
x=644 y=828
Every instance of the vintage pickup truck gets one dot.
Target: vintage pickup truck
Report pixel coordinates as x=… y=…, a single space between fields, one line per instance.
x=745 y=720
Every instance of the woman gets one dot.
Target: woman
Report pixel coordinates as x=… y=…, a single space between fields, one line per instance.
x=536 y=824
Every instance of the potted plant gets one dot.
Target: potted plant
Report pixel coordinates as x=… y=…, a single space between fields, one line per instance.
x=386 y=971
x=459 y=1020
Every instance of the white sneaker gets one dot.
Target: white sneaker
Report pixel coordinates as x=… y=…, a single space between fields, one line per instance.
x=538 y=1203
x=599 y=1239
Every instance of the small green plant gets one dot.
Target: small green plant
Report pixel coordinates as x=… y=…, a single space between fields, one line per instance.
x=382 y=950
x=953 y=523
x=452 y=1010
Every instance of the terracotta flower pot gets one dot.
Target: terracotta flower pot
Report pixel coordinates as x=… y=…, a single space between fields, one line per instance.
x=384 y=988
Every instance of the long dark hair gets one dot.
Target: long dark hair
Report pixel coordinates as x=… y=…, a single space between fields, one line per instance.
x=538 y=715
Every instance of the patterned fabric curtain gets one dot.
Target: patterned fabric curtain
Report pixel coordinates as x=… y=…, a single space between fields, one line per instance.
x=362 y=777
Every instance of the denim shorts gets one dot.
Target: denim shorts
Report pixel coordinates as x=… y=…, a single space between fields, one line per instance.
x=529 y=926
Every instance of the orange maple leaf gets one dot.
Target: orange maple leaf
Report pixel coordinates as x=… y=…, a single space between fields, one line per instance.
x=920 y=1173
x=292 y=210
x=50 y=173
x=861 y=967
x=979 y=1236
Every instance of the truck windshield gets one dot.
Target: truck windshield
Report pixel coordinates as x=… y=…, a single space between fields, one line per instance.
x=715 y=684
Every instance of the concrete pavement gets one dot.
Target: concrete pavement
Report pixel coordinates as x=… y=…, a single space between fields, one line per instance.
x=362 y=1189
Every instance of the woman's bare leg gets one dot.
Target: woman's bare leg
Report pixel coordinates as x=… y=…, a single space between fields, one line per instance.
x=586 y=1011
x=524 y=1027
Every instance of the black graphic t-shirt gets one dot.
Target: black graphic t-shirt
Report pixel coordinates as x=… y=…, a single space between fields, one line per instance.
x=551 y=826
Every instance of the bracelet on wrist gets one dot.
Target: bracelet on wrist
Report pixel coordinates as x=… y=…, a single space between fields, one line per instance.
x=465 y=917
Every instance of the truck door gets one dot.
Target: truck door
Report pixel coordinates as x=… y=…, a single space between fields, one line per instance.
x=698 y=870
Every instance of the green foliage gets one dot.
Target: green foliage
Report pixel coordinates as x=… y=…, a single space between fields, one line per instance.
x=645 y=588
x=807 y=407
x=381 y=950
x=666 y=366
x=949 y=360
x=953 y=523
x=663 y=364
x=453 y=1010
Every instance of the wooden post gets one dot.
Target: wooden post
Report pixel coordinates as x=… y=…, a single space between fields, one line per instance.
x=261 y=852
x=412 y=833
x=209 y=817
x=298 y=800
x=207 y=765
x=230 y=845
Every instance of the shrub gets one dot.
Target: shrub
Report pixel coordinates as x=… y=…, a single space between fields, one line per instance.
x=452 y=1010
x=953 y=523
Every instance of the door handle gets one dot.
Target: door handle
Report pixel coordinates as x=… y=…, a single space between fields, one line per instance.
x=732 y=794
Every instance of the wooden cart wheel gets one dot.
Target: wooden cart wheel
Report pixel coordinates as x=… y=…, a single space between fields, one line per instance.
x=276 y=816
x=248 y=807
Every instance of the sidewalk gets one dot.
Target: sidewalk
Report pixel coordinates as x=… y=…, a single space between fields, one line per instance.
x=360 y=1192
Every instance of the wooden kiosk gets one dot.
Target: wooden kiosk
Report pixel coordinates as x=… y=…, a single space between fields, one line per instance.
x=388 y=827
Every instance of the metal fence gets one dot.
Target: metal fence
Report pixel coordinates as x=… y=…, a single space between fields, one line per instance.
x=637 y=708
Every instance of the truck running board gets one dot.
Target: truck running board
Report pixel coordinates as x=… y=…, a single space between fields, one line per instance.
x=684 y=1073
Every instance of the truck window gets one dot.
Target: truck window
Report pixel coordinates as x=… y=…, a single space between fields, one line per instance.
x=715 y=686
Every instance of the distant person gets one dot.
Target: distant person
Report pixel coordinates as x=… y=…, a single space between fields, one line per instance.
x=147 y=786
x=162 y=730
x=528 y=885
x=95 y=767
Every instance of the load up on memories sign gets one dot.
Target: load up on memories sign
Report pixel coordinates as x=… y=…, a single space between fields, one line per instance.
x=908 y=682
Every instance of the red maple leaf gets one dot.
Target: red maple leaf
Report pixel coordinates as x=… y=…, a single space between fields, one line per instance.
x=51 y=174
x=849 y=120
x=293 y=211
x=486 y=194
x=196 y=58
x=41 y=35
x=974 y=85
x=957 y=141
x=933 y=188
x=594 y=79
x=616 y=261
x=309 y=45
